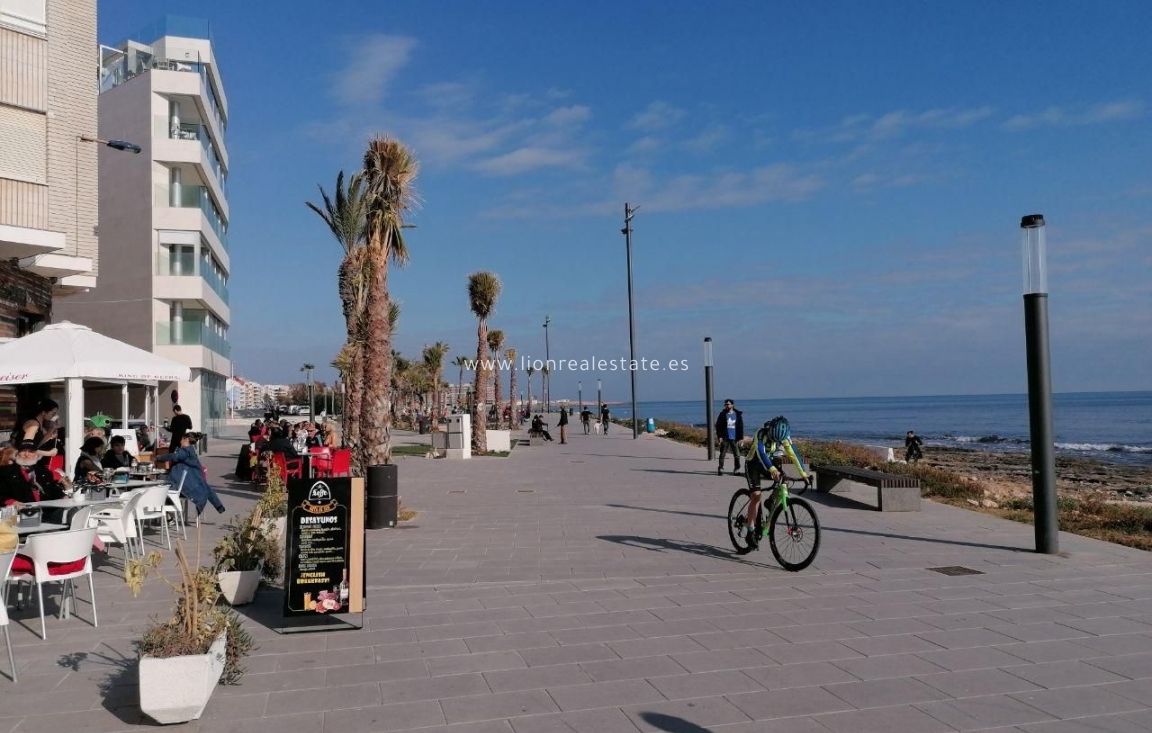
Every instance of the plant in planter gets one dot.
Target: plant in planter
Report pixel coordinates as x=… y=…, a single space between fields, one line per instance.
x=244 y=555
x=182 y=658
x=273 y=506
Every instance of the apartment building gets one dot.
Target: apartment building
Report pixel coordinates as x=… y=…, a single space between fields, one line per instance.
x=163 y=284
x=48 y=165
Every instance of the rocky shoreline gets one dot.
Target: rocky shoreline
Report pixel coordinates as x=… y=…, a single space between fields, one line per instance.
x=1009 y=474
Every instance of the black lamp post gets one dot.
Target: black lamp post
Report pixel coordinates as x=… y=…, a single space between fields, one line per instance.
x=545 y=376
x=708 y=422
x=1039 y=385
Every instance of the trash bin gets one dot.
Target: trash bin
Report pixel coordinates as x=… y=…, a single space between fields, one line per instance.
x=423 y=425
x=651 y=425
x=383 y=496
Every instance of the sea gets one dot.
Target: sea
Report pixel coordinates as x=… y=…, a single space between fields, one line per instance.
x=1113 y=427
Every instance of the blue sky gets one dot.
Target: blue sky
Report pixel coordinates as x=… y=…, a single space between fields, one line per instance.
x=831 y=190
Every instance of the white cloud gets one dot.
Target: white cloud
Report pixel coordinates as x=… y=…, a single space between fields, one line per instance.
x=657 y=116
x=1059 y=116
x=708 y=139
x=573 y=115
x=646 y=144
x=526 y=159
x=895 y=124
x=376 y=60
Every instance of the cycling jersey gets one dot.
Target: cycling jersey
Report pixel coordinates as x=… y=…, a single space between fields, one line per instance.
x=765 y=453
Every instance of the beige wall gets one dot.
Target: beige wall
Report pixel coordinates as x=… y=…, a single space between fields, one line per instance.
x=72 y=93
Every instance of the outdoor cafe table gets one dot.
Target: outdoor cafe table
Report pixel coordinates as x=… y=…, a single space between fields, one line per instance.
x=309 y=470
x=42 y=527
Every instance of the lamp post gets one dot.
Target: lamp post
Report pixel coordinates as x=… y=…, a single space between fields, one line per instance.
x=307 y=368
x=546 y=379
x=627 y=231
x=708 y=402
x=580 y=394
x=1039 y=385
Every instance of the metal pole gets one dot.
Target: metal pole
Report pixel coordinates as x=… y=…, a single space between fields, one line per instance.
x=708 y=401
x=580 y=394
x=599 y=399
x=546 y=377
x=628 y=214
x=1040 y=418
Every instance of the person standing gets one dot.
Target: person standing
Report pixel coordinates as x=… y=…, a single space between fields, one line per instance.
x=729 y=432
x=605 y=417
x=563 y=426
x=912 y=443
x=179 y=426
x=586 y=419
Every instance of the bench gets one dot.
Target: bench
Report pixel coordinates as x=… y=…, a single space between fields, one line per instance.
x=896 y=493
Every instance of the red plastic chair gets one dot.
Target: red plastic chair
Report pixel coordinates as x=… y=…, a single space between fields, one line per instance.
x=56 y=466
x=321 y=462
x=289 y=468
x=342 y=462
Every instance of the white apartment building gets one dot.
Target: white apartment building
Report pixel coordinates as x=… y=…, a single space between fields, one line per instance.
x=255 y=396
x=163 y=282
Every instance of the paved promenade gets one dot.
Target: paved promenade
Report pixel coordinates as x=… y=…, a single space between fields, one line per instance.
x=590 y=588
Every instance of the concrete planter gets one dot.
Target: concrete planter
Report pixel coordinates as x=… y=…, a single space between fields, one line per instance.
x=239 y=586
x=177 y=689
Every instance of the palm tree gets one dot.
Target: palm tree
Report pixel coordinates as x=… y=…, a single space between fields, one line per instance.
x=434 y=358
x=495 y=343
x=389 y=170
x=483 y=290
x=460 y=361
x=510 y=354
x=531 y=370
x=345 y=217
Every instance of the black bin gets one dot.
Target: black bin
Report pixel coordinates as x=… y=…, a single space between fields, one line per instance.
x=383 y=496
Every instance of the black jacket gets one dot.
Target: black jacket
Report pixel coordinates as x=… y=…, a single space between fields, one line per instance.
x=563 y=417
x=111 y=460
x=722 y=425
x=14 y=487
x=282 y=445
x=179 y=425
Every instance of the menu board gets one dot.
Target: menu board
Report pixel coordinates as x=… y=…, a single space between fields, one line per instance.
x=325 y=547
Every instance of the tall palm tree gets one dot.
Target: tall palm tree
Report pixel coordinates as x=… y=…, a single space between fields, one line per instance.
x=389 y=170
x=531 y=370
x=495 y=343
x=460 y=361
x=510 y=354
x=434 y=359
x=344 y=214
x=483 y=290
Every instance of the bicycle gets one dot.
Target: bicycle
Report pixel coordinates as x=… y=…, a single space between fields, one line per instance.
x=800 y=538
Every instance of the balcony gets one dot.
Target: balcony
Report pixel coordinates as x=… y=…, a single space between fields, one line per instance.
x=166 y=128
x=116 y=68
x=195 y=197
x=192 y=333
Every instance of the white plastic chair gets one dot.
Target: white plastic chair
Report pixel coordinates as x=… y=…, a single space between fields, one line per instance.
x=79 y=520
x=59 y=547
x=175 y=505
x=151 y=508
x=118 y=527
x=6 y=565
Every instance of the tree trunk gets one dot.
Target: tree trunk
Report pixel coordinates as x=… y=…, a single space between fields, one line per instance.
x=355 y=399
x=460 y=387
x=496 y=389
x=479 y=410
x=512 y=408
x=376 y=409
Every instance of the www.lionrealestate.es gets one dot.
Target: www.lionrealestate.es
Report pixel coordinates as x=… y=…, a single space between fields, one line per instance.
x=581 y=365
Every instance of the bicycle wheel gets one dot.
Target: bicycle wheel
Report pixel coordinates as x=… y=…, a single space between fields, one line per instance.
x=738 y=521
x=794 y=534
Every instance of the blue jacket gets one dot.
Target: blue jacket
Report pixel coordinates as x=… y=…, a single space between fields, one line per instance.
x=186 y=463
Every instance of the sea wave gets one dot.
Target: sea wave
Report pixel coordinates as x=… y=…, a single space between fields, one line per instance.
x=1103 y=448
x=985 y=439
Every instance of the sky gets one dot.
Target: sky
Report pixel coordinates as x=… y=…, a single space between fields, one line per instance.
x=831 y=191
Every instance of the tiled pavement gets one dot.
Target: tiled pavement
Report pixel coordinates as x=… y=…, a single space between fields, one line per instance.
x=588 y=588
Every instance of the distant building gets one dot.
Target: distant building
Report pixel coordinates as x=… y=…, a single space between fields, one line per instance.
x=256 y=396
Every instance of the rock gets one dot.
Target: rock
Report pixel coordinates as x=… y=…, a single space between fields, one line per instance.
x=989 y=504
x=973 y=502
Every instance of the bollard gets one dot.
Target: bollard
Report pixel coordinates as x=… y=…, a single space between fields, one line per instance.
x=651 y=425
x=383 y=496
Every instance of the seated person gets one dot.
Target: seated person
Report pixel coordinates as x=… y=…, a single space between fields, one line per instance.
x=281 y=444
x=25 y=481
x=313 y=440
x=539 y=429
x=118 y=457
x=249 y=454
x=88 y=464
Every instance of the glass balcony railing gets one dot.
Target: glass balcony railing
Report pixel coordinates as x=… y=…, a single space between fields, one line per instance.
x=214 y=279
x=117 y=68
x=166 y=127
x=192 y=333
x=195 y=197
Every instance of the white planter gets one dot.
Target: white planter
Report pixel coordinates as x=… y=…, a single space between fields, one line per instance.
x=239 y=586
x=177 y=689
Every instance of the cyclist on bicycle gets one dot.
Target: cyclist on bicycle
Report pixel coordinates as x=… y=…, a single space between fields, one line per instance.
x=766 y=458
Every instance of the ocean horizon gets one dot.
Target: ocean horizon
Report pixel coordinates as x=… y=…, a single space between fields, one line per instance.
x=1115 y=427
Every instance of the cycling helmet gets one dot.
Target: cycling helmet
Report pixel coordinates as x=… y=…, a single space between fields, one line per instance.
x=778 y=429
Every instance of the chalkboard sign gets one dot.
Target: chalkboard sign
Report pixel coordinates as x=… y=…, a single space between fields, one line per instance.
x=325 y=547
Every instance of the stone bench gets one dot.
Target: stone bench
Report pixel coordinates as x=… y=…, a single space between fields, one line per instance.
x=895 y=493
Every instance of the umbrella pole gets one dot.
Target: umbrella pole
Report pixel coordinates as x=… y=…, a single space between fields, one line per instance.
x=74 y=397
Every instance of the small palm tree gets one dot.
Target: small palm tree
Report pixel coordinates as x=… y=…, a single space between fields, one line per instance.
x=495 y=343
x=513 y=411
x=483 y=290
x=460 y=361
x=434 y=359
x=389 y=170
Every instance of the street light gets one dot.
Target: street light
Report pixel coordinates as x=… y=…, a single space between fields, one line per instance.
x=627 y=231
x=580 y=394
x=1040 y=420
x=599 y=399
x=708 y=398
x=546 y=378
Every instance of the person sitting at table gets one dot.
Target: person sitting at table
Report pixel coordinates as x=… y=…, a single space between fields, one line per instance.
x=118 y=456
x=281 y=444
x=330 y=440
x=25 y=481
x=194 y=484
x=313 y=440
x=249 y=455
x=88 y=464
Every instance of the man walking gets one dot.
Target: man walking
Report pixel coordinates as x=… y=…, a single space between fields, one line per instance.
x=729 y=432
x=586 y=419
x=605 y=417
x=563 y=426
